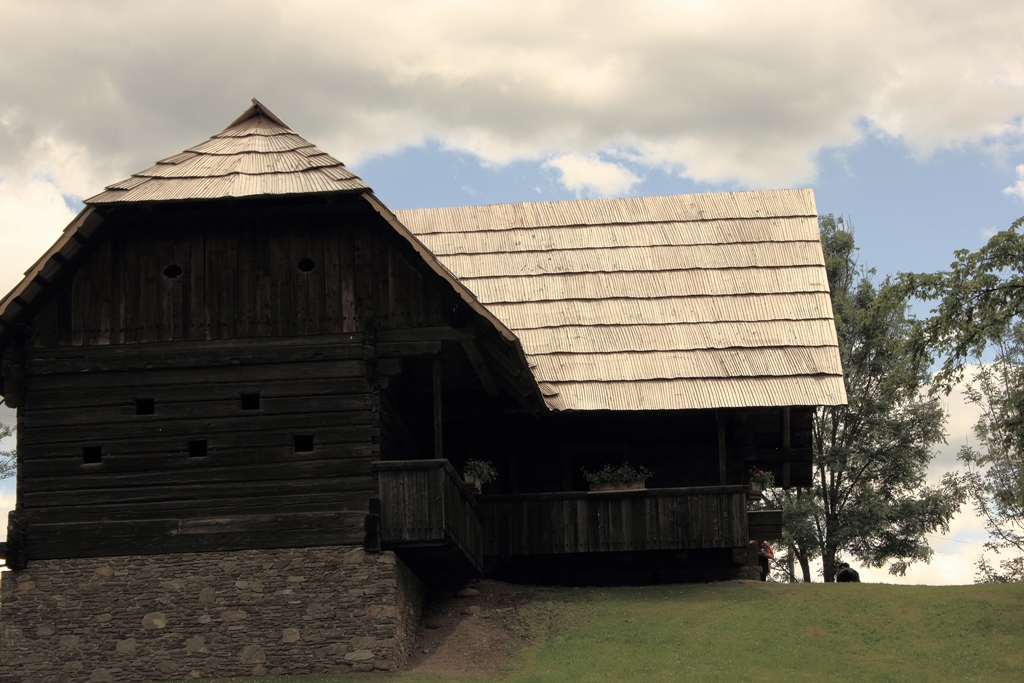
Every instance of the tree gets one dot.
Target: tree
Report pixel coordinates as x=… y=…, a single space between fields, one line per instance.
x=7 y=458
x=981 y=301
x=995 y=473
x=981 y=307
x=869 y=498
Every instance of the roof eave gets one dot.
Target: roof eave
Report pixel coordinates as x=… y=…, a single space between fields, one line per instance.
x=466 y=295
x=47 y=272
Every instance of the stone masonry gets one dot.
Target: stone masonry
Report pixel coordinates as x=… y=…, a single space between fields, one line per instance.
x=171 y=617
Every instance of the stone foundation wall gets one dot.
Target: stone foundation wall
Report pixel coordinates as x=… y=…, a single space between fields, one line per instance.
x=171 y=617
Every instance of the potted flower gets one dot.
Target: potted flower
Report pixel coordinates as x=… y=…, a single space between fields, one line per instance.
x=617 y=478
x=759 y=482
x=476 y=473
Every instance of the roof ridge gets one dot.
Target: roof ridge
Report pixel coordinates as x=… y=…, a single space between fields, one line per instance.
x=258 y=154
x=257 y=109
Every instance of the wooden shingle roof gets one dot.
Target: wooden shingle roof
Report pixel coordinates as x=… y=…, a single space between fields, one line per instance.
x=645 y=303
x=257 y=155
x=650 y=303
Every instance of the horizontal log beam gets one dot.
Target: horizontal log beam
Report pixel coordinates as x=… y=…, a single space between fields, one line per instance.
x=778 y=454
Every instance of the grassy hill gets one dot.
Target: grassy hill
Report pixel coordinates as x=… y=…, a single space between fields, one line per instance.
x=760 y=632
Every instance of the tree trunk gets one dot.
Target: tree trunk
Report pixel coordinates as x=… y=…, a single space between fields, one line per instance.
x=828 y=562
x=805 y=567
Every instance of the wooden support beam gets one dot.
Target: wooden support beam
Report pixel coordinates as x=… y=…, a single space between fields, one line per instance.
x=513 y=472
x=722 y=454
x=419 y=334
x=786 y=445
x=775 y=454
x=438 y=431
x=486 y=378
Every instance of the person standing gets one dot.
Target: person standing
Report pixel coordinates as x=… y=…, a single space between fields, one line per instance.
x=764 y=556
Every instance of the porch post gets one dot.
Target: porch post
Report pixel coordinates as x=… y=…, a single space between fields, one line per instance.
x=722 y=455
x=787 y=443
x=438 y=433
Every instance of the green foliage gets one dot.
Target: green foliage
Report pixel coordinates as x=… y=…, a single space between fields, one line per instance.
x=981 y=301
x=765 y=479
x=8 y=459
x=869 y=497
x=482 y=470
x=981 y=306
x=621 y=474
x=995 y=473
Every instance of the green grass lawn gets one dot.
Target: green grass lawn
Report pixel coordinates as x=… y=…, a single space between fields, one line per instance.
x=764 y=632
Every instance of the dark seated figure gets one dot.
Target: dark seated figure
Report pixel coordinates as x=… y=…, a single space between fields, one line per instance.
x=847 y=575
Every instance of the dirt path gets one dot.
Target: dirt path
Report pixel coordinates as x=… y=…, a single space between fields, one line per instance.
x=473 y=632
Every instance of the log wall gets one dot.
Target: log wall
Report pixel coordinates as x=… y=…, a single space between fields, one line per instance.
x=290 y=468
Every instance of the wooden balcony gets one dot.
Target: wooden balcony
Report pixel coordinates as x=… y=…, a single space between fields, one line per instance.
x=620 y=521
x=429 y=517
x=765 y=525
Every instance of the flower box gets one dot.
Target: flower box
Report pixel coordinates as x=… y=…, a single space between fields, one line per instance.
x=476 y=473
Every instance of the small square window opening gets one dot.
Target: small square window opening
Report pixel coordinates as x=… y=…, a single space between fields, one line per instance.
x=250 y=401
x=145 y=406
x=197 y=448
x=303 y=443
x=92 y=455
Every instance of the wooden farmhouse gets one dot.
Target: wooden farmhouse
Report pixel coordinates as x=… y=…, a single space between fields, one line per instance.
x=247 y=390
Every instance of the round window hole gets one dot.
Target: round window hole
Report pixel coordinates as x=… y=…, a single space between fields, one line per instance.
x=306 y=265
x=172 y=271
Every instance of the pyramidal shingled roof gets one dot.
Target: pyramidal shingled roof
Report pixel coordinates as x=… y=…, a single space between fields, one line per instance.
x=256 y=155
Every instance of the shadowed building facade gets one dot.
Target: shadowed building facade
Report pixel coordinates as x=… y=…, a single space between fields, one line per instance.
x=246 y=388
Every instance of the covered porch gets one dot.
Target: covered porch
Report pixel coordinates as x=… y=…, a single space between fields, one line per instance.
x=436 y=523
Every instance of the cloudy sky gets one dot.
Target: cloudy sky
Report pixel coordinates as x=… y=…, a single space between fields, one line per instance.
x=906 y=117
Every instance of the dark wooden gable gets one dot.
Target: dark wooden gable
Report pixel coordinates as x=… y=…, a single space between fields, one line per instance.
x=191 y=272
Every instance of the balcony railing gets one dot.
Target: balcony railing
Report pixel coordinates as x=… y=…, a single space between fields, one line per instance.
x=425 y=506
x=646 y=519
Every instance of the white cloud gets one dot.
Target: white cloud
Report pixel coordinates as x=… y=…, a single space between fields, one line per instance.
x=1017 y=189
x=589 y=175
x=742 y=90
x=32 y=215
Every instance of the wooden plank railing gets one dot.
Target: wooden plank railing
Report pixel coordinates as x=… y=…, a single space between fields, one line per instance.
x=424 y=503
x=647 y=519
x=765 y=525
